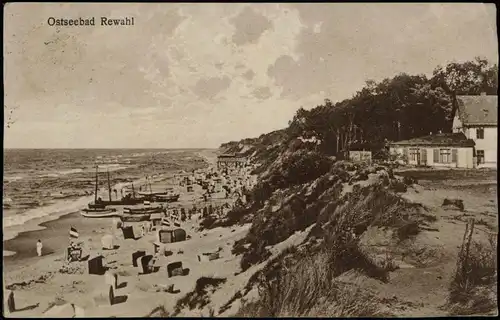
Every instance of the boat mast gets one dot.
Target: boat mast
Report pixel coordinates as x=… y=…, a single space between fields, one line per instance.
x=150 y=190
x=109 y=186
x=133 y=191
x=96 y=182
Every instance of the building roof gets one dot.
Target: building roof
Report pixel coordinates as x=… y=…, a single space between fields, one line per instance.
x=230 y=155
x=478 y=110
x=441 y=139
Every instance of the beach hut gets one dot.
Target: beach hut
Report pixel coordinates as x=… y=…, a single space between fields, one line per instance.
x=11 y=304
x=106 y=295
x=179 y=235
x=128 y=232
x=111 y=278
x=67 y=310
x=107 y=242
x=155 y=219
x=165 y=222
x=145 y=264
x=202 y=258
x=158 y=247
x=165 y=236
x=73 y=254
x=136 y=255
x=175 y=269
x=96 y=265
x=116 y=223
x=213 y=256
x=205 y=257
x=79 y=311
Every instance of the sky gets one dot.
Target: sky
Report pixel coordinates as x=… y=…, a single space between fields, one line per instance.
x=198 y=75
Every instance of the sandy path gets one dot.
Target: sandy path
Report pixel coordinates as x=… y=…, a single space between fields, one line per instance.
x=421 y=291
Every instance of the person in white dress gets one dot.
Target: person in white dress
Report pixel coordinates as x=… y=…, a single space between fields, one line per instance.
x=39 y=247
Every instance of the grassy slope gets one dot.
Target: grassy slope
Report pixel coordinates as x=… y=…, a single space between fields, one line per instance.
x=374 y=238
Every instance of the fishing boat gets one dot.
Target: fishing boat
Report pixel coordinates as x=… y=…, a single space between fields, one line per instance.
x=163 y=196
x=150 y=194
x=99 y=213
x=172 y=197
x=145 y=210
x=98 y=209
x=99 y=203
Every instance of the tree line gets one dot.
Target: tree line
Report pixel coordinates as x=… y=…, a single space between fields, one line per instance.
x=404 y=107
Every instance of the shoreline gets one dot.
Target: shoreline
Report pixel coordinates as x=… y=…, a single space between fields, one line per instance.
x=40 y=225
x=41 y=282
x=54 y=236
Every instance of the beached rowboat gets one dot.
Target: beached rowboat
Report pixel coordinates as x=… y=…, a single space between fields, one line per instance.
x=124 y=201
x=99 y=213
x=135 y=217
x=148 y=210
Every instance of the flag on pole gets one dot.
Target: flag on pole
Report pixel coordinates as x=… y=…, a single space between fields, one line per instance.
x=73 y=233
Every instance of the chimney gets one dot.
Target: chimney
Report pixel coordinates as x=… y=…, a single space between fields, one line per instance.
x=483 y=93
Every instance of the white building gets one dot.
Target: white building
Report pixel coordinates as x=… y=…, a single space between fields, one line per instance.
x=476 y=117
x=452 y=150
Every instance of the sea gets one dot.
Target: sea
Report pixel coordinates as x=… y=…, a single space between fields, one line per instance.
x=40 y=185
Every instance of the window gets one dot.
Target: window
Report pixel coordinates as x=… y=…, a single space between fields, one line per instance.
x=480 y=133
x=414 y=154
x=480 y=156
x=445 y=155
x=454 y=155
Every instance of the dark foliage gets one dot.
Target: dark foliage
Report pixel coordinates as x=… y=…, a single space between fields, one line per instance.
x=198 y=297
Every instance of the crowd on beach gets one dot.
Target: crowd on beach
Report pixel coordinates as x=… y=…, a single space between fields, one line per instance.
x=204 y=192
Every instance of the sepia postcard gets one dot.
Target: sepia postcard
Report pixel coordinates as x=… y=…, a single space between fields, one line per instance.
x=250 y=160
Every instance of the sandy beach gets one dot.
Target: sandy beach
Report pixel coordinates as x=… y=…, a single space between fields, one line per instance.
x=42 y=282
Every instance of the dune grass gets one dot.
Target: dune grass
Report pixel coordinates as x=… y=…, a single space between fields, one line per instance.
x=473 y=288
x=309 y=289
x=198 y=298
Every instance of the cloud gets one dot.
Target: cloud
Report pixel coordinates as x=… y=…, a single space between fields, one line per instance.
x=208 y=88
x=202 y=74
x=336 y=55
x=249 y=25
x=249 y=75
x=284 y=73
x=81 y=65
x=262 y=93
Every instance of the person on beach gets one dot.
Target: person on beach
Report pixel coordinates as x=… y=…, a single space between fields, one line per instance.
x=39 y=247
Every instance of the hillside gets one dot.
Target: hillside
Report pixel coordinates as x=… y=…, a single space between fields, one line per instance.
x=369 y=232
x=328 y=237
x=256 y=148
x=373 y=235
